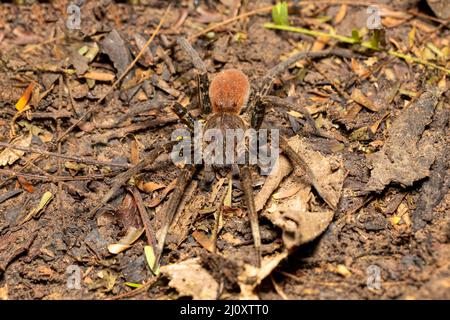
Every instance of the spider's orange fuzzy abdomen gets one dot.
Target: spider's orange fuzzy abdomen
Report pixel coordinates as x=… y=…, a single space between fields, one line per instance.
x=229 y=91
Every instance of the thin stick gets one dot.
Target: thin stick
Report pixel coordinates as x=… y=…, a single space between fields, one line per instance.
x=134 y=292
x=269 y=8
x=53 y=178
x=218 y=217
x=149 y=232
x=247 y=185
x=228 y=21
x=58 y=160
x=71 y=158
x=193 y=54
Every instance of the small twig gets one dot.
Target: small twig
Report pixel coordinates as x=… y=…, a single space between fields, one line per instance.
x=146 y=285
x=9 y=194
x=193 y=54
x=365 y=44
x=149 y=232
x=12 y=173
x=71 y=158
x=228 y=21
x=58 y=159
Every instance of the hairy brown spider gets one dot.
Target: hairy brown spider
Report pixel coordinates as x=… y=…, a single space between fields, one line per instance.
x=223 y=103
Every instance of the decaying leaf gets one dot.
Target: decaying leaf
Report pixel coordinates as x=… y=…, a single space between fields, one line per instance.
x=25 y=184
x=4 y=292
x=149 y=187
x=9 y=156
x=300 y=221
x=328 y=171
x=281 y=170
x=360 y=98
x=35 y=213
x=106 y=280
x=132 y=235
x=203 y=239
x=252 y=276
x=191 y=279
x=151 y=259
x=405 y=157
x=25 y=98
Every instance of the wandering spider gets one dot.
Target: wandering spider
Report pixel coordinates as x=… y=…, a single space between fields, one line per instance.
x=224 y=105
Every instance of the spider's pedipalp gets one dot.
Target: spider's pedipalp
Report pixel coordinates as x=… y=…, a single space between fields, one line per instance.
x=229 y=91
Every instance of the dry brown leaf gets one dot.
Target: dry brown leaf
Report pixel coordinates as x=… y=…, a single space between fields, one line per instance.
x=252 y=276
x=281 y=170
x=25 y=98
x=286 y=193
x=341 y=14
x=4 y=292
x=25 y=184
x=156 y=201
x=99 y=76
x=202 y=238
x=9 y=156
x=360 y=98
x=297 y=218
x=191 y=279
x=132 y=235
x=328 y=171
x=149 y=187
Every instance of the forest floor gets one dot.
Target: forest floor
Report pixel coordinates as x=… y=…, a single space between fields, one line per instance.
x=76 y=124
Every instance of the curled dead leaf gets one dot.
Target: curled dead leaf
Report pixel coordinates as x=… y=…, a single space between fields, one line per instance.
x=191 y=279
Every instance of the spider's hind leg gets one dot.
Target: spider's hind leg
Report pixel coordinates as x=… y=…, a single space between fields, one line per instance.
x=202 y=78
x=246 y=182
x=183 y=180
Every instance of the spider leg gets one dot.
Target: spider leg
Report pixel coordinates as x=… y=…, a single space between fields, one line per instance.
x=184 y=115
x=297 y=160
x=122 y=178
x=217 y=220
x=202 y=77
x=266 y=82
x=246 y=181
x=183 y=180
x=283 y=103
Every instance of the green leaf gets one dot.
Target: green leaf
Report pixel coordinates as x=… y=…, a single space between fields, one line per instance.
x=375 y=39
x=132 y=285
x=280 y=14
x=151 y=259
x=355 y=36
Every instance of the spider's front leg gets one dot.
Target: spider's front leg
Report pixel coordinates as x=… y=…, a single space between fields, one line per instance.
x=202 y=77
